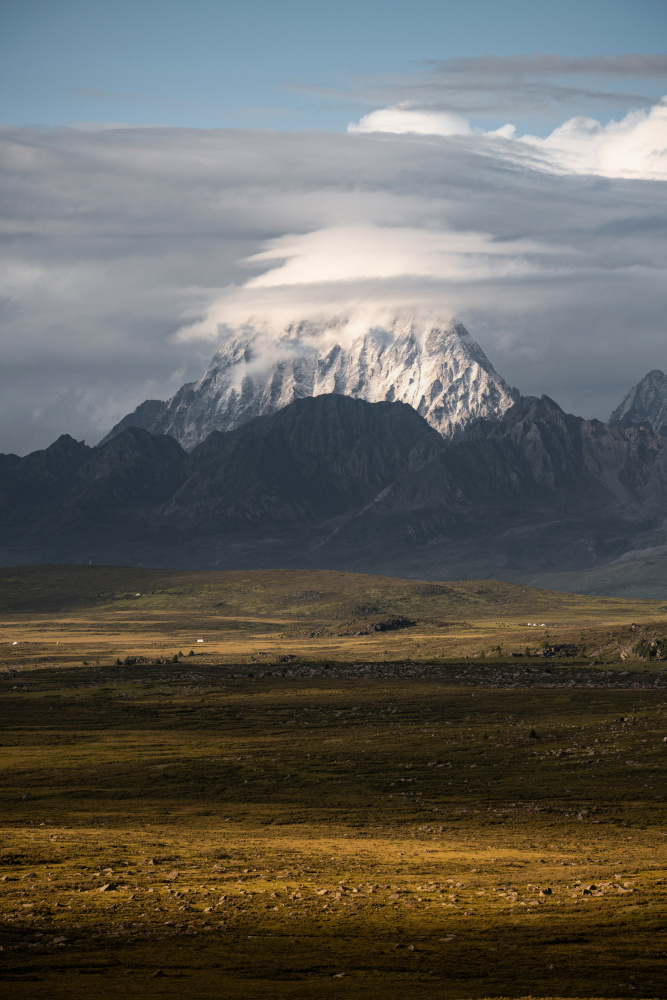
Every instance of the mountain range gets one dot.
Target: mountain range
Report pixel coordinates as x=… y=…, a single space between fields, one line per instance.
x=535 y=496
x=394 y=449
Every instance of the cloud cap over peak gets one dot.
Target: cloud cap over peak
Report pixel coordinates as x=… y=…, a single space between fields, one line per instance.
x=129 y=254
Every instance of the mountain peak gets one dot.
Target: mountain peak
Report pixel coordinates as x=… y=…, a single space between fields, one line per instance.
x=645 y=405
x=534 y=408
x=435 y=367
x=143 y=417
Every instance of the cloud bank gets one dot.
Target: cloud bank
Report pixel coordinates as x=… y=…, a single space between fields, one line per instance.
x=130 y=254
x=635 y=146
x=550 y=86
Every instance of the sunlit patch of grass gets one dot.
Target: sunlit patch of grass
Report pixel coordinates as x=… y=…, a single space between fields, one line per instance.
x=307 y=824
x=264 y=835
x=102 y=613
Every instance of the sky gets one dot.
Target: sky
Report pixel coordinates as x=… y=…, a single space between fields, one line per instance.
x=170 y=170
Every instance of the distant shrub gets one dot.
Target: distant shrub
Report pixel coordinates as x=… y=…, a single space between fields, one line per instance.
x=651 y=649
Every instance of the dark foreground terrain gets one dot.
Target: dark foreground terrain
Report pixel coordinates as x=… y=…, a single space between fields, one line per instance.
x=461 y=828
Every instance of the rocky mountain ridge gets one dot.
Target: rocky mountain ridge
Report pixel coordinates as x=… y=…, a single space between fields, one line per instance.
x=645 y=405
x=438 y=369
x=335 y=482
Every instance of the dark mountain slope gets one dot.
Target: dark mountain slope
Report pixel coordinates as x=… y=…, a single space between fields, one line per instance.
x=537 y=454
x=62 y=497
x=335 y=482
x=318 y=458
x=30 y=485
x=135 y=469
x=141 y=496
x=539 y=491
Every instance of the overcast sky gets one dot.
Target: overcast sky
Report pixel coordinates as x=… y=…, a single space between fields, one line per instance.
x=170 y=171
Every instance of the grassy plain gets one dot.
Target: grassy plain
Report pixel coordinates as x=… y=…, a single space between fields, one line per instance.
x=302 y=811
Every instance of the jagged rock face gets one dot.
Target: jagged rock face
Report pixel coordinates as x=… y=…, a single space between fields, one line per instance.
x=439 y=370
x=645 y=405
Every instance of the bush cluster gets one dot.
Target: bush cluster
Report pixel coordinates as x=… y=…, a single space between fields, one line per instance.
x=651 y=649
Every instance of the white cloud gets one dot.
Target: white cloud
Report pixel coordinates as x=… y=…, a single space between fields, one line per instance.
x=402 y=118
x=359 y=252
x=634 y=147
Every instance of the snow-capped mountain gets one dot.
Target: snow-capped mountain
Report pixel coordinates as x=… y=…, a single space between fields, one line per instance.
x=645 y=405
x=438 y=369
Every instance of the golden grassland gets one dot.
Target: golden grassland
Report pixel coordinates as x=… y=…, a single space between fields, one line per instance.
x=311 y=614
x=296 y=812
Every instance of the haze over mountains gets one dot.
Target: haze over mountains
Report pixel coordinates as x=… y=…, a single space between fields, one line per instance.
x=484 y=484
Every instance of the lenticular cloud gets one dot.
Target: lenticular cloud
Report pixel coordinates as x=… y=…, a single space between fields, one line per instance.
x=402 y=118
x=634 y=147
x=328 y=268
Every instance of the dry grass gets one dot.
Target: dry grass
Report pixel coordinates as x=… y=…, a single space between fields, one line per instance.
x=314 y=615
x=324 y=826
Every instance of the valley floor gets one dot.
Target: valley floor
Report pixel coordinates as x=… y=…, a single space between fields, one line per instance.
x=336 y=827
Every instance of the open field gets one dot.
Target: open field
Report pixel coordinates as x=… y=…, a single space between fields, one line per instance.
x=347 y=815
x=97 y=612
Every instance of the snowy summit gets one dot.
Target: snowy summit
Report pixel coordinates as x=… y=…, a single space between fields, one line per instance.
x=437 y=368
